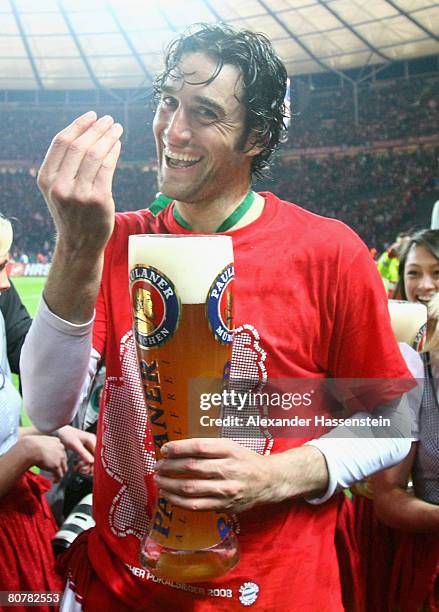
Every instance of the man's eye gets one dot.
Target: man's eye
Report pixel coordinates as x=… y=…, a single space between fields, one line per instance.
x=168 y=102
x=412 y=273
x=206 y=114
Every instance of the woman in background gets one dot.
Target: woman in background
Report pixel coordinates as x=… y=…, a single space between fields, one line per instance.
x=415 y=514
x=388 y=548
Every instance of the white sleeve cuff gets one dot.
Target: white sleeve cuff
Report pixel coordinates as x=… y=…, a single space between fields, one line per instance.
x=350 y=460
x=61 y=325
x=354 y=452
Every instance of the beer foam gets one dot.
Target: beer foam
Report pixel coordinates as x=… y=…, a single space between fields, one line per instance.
x=191 y=263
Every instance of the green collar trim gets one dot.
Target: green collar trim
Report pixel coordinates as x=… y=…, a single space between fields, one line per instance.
x=159 y=204
x=228 y=223
x=180 y=219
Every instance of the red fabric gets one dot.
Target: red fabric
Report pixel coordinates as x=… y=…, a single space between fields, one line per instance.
x=89 y=556
x=307 y=295
x=26 y=530
x=292 y=269
x=415 y=576
x=384 y=569
x=350 y=558
x=365 y=550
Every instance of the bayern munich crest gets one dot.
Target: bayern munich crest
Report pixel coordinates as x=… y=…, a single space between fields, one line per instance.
x=156 y=306
x=220 y=305
x=248 y=593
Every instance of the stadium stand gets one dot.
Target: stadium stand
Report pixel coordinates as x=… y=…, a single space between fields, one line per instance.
x=379 y=175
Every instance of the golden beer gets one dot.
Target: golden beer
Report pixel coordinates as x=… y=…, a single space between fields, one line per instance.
x=181 y=295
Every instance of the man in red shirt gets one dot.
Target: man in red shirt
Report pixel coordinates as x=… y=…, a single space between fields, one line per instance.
x=301 y=311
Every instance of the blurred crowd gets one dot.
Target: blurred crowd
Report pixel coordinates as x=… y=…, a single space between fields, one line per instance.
x=386 y=110
x=377 y=192
x=376 y=195
x=27 y=132
x=34 y=232
x=325 y=117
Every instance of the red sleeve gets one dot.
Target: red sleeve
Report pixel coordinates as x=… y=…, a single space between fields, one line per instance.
x=116 y=253
x=363 y=344
x=100 y=324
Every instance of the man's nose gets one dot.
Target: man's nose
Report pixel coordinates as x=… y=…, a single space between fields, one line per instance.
x=178 y=130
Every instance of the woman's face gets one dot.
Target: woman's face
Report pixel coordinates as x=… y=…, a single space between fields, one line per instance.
x=421 y=275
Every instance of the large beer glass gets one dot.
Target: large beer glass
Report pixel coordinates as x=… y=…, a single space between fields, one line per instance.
x=181 y=296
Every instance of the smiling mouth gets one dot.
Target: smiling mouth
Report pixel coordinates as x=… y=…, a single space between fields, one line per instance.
x=180 y=160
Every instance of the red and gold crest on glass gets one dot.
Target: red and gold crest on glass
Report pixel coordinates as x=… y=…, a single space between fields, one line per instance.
x=182 y=301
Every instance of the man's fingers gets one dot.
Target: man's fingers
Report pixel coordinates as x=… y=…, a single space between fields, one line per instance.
x=197 y=488
x=104 y=177
x=96 y=157
x=207 y=468
x=196 y=504
x=61 y=142
x=82 y=150
x=200 y=447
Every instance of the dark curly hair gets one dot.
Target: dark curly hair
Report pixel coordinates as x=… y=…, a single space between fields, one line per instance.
x=263 y=73
x=427 y=238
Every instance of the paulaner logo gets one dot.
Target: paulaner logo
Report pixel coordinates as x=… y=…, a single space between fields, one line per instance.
x=220 y=305
x=156 y=307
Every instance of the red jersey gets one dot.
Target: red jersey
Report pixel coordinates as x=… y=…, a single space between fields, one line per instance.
x=307 y=295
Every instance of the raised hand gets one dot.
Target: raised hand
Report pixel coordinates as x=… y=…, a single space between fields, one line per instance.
x=76 y=181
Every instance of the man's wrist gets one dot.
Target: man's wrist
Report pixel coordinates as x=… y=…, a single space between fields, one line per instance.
x=80 y=250
x=60 y=324
x=299 y=472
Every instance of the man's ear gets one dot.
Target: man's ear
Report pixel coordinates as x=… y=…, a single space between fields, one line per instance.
x=253 y=151
x=252 y=146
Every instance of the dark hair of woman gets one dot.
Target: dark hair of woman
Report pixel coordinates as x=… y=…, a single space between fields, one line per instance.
x=427 y=238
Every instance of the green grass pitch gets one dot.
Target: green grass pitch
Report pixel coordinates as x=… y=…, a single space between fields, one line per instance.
x=30 y=289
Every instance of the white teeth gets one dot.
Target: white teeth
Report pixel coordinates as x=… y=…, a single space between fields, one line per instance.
x=181 y=156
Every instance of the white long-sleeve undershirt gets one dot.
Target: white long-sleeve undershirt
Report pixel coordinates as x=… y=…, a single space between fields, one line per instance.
x=58 y=364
